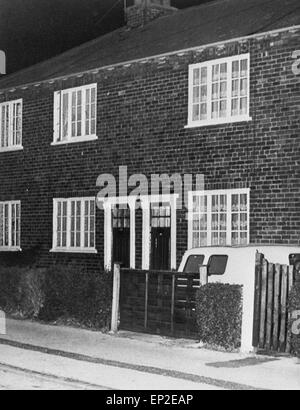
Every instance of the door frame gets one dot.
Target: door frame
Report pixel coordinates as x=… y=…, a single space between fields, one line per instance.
x=145 y=201
x=108 y=205
x=146 y=204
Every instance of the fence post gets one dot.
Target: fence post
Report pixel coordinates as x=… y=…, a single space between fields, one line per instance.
x=203 y=275
x=116 y=298
x=257 y=299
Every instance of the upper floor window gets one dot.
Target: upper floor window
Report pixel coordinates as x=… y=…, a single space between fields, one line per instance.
x=219 y=91
x=11 y=125
x=75 y=114
x=219 y=218
x=10 y=226
x=74 y=225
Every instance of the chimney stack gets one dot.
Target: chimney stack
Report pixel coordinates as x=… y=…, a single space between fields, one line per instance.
x=144 y=11
x=2 y=63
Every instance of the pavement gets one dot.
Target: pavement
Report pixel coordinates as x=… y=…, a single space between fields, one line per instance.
x=130 y=361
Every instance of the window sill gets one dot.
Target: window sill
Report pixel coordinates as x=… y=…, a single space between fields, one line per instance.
x=10 y=249
x=64 y=250
x=11 y=149
x=76 y=140
x=218 y=122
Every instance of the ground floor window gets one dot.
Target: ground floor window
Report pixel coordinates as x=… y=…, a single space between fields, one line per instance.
x=10 y=226
x=219 y=218
x=74 y=224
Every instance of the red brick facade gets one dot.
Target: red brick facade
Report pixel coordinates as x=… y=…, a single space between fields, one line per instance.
x=141 y=117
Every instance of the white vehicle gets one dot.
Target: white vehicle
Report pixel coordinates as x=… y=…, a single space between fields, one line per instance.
x=231 y=264
x=236 y=266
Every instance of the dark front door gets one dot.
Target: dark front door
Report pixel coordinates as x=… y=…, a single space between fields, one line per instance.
x=160 y=238
x=160 y=252
x=121 y=237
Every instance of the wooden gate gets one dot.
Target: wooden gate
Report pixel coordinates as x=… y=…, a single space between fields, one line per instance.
x=159 y=302
x=273 y=284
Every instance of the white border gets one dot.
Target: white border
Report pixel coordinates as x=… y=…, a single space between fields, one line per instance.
x=67 y=249
x=58 y=115
x=229 y=118
x=210 y=193
x=11 y=104
x=11 y=248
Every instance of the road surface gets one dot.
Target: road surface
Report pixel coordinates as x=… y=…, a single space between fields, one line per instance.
x=23 y=369
x=12 y=378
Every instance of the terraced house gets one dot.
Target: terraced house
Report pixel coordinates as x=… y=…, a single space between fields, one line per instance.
x=210 y=90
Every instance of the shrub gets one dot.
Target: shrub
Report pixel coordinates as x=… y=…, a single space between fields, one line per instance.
x=294 y=305
x=74 y=293
x=57 y=292
x=9 y=288
x=31 y=292
x=21 y=290
x=219 y=315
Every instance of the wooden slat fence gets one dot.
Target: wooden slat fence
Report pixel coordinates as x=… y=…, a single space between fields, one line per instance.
x=273 y=284
x=159 y=302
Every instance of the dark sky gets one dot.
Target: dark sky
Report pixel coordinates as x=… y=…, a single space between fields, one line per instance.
x=34 y=30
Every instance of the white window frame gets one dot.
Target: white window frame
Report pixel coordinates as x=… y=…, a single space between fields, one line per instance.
x=229 y=117
x=58 y=116
x=11 y=126
x=17 y=234
x=210 y=194
x=68 y=248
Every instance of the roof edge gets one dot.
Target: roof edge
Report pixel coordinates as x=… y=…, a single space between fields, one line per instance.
x=157 y=56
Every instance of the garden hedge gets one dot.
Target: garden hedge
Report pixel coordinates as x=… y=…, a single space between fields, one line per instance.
x=219 y=315
x=21 y=290
x=294 y=306
x=73 y=292
x=57 y=292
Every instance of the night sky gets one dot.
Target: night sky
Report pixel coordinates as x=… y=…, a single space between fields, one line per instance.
x=34 y=30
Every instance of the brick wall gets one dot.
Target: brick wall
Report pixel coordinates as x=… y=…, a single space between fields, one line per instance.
x=142 y=113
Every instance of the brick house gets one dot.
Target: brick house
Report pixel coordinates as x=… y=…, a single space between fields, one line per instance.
x=207 y=90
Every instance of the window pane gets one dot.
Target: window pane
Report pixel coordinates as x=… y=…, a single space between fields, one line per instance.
x=193 y=264
x=1 y=224
x=79 y=113
x=65 y=119
x=220 y=219
x=223 y=109
x=10 y=124
x=244 y=106
x=204 y=75
x=10 y=214
x=235 y=107
x=216 y=73
x=203 y=93
x=223 y=89
x=244 y=68
x=196 y=240
x=196 y=77
x=13 y=225
x=214 y=110
x=196 y=95
x=243 y=88
x=240 y=90
x=64 y=224
x=196 y=113
x=6 y=225
x=223 y=71
x=217 y=264
x=235 y=69
x=19 y=124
